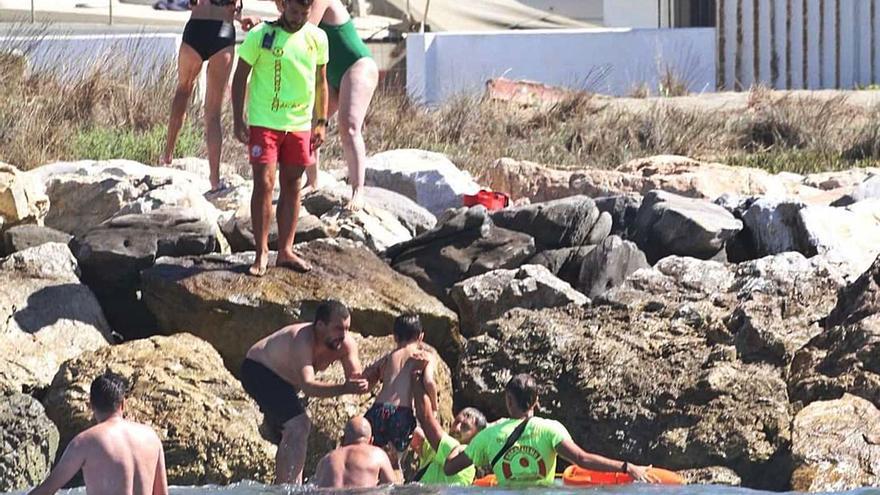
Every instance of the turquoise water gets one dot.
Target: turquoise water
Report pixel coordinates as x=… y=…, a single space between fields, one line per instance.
x=257 y=489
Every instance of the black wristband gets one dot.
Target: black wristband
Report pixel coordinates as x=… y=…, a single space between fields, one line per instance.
x=623 y=468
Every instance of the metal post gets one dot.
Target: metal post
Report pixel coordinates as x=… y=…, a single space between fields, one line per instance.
x=33 y=14
x=425 y=17
x=111 y=11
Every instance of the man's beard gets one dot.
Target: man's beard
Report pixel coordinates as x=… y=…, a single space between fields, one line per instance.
x=333 y=344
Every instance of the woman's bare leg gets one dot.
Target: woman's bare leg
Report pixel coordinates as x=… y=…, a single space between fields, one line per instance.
x=189 y=64
x=219 y=67
x=358 y=86
x=312 y=172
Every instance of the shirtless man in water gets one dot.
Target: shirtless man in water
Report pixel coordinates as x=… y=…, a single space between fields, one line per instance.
x=356 y=464
x=117 y=457
x=284 y=364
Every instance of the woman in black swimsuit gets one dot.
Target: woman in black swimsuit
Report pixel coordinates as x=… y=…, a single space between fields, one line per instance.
x=209 y=36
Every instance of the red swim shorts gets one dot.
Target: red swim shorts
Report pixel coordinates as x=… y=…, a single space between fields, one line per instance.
x=269 y=146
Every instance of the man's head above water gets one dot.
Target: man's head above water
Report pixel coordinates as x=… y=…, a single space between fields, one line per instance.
x=357 y=430
x=332 y=321
x=468 y=422
x=521 y=394
x=107 y=395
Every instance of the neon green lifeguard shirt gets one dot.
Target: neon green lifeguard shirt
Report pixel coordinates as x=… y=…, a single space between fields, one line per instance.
x=281 y=91
x=434 y=475
x=532 y=459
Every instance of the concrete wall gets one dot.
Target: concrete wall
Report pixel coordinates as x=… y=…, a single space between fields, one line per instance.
x=585 y=10
x=632 y=13
x=798 y=44
x=610 y=61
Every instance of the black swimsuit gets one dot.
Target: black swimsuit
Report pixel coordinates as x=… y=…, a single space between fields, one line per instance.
x=209 y=36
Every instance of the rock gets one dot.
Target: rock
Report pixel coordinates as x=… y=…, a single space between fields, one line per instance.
x=47 y=316
x=29 y=440
x=87 y=193
x=843 y=179
x=485 y=297
x=623 y=210
x=858 y=300
x=461 y=246
x=668 y=224
x=565 y=263
x=869 y=189
x=555 y=224
x=236 y=191
x=412 y=216
x=773 y=226
x=213 y=298
x=23 y=237
x=713 y=475
x=375 y=228
x=644 y=386
x=208 y=424
x=20 y=201
x=829 y=449
x=238 y=230
x=609 y=265
x=329 y=416
x=842 y=359
x=782 y=300
x=675 y=174
x=113 y=255
x=427 y=178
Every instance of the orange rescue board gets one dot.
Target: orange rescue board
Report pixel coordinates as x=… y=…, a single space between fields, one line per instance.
x=575 y=476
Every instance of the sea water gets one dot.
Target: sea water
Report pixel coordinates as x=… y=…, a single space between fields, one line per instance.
x=249 y=488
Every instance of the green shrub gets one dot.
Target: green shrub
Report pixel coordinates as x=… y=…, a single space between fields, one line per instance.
x=141 y=146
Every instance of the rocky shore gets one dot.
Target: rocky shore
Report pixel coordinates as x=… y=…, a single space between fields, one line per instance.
x=716 y=320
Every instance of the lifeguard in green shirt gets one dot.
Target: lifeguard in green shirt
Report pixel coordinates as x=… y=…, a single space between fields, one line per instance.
x=287 y=105
x=522 y=450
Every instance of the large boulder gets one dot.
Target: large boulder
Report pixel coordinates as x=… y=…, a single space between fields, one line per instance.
x=22 y=237
x=329 y=416
x=562 y=223
x=113 y=255
x=427 y=178
x=213 y=297
x=668 y=224
x=485 y=297
x=843 y=359
x=412 y=216
x=29 y=440
x=868 y=189
x=623 y=209
x=374 y=227
x=21 y=200
x=565 y=263
x=209 y=426
x=238 y=229
x=648 y=386
x=464 y=244
x=47 y=316
x=675 y=174
x=609 y=265
x=830 y=446
x=87 y=193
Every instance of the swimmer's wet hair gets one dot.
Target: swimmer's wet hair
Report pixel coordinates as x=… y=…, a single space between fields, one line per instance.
x=304 y=3
x=330 y=308
x=477 y=416
x=107 y=392
x=407 y=328
x=524 y=390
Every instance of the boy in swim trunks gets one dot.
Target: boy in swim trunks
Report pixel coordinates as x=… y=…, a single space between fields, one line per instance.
x=286 y=120
x=392 y=416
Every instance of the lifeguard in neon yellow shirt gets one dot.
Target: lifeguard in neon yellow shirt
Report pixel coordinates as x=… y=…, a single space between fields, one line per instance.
x=287 y=102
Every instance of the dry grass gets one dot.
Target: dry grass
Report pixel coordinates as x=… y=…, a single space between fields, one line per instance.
x=114 y=111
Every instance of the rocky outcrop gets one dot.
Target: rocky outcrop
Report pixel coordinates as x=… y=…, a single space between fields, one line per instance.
x=46 y=316
x=329 y=416
x=868 y=189
x=21 y=201
x=609 y=265
x=87 y=193
x=113 y=255
x=485 y=297
x=562 y=223
x=857 y=300
x=208 y=424
x=668 y=224
x=683 y=410
x=565 y=263
x=22 y=237
x=714 y=475
x=238 y=229
x=412 y=216
x=213 y=297
x=623 y=210
x=843 y=359
x=464 y=244
x=427 y=178
x=830 y=446
x=674 y=174
x=29 y=440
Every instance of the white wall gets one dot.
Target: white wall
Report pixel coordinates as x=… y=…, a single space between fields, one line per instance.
x=610 y=61
x=585 y=10
x=631 y=13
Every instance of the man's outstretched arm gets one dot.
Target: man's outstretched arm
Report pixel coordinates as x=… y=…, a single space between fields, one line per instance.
x=71 y=462
x=571 y=452
x=455 y=464
x=160 y=482
x=425 y=414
